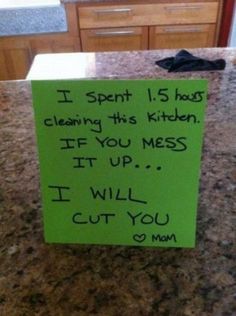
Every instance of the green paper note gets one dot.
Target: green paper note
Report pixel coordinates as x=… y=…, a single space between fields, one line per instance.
x=120 y=160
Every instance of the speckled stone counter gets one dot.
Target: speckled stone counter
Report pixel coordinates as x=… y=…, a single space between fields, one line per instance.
x=33 y=20
x=48 y=280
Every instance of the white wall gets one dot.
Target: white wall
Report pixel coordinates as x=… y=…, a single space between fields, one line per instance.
x=6 y=4
x=232 y=39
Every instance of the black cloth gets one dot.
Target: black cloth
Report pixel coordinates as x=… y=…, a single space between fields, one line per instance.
x=184 y=61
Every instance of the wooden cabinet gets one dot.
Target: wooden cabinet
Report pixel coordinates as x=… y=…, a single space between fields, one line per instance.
x=57 y=44
x=17 y=52
x=115 y=39
x=132 y=25
x=14 y=63
x=181 y=36
x=15 y=60
x=169 y=24
x=147 y=14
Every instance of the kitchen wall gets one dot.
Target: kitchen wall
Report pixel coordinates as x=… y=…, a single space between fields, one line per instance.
x=26 y=3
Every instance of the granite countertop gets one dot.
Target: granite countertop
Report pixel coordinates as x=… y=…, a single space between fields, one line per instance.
x=48 y=279
x=33 y=20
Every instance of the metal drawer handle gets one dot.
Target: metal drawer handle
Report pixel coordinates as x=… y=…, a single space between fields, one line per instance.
x=113 y=33
x=177 y=8
x=112 y=11
x=183 y=29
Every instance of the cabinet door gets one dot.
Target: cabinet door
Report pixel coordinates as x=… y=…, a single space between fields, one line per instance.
x=14 y=63
x=182 y=36
x=114 y=39
x=57 y=44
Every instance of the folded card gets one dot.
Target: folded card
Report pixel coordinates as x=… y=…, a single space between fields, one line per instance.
x=120 y=160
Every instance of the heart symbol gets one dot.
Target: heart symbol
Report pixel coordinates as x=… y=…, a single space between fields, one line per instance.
x=139 y=237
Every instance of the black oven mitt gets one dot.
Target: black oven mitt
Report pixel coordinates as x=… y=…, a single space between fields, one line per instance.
x=184 y=61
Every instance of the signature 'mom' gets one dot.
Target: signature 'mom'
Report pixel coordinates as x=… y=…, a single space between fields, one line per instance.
x=163 y=238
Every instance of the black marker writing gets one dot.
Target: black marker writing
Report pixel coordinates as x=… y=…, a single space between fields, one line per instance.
x=119 y=118
x=65 y=96
x=71 y=143
x=82 y=162
x=171 y=143
x=78 y=218
x=115 y=194
x=60 y=191
x=196 y=96
x=113 y=142
x=76 y=120
x=148 y=219
x=163 y=238
x=120 y=161
x=162 y=116
x=101 y=97
x=68 y=143
x=161 y=94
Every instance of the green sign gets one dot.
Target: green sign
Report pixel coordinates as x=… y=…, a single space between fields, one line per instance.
x=120 y=160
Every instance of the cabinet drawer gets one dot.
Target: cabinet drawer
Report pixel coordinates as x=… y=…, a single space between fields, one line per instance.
x=182 y=36
x=114 y=39
x=149 y=14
